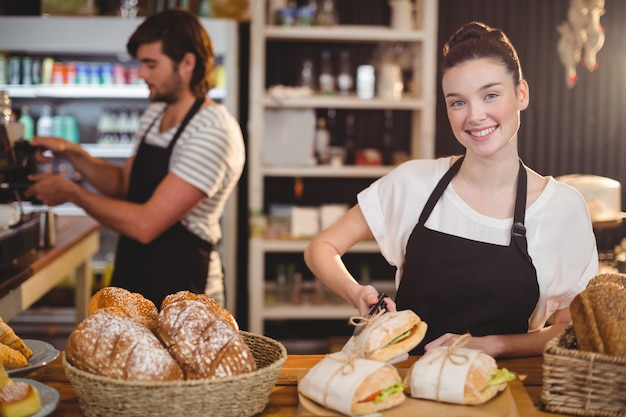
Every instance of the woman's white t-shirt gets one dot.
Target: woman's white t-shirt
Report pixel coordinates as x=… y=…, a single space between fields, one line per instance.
x=561 y=242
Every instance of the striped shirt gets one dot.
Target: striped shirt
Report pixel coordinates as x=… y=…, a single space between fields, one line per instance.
x=209 y=155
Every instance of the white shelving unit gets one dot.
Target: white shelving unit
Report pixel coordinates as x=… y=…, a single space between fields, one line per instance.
x=107 y=36
x=422 y=110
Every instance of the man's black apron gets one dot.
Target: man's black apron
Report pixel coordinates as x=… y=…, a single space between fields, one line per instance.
x=457 y=285
x=177 y=259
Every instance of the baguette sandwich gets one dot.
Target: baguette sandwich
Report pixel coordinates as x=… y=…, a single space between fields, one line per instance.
x=458 y=376
x=388 y=336
x=353 y=386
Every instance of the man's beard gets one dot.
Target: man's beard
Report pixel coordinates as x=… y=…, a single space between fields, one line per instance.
x=170 y=90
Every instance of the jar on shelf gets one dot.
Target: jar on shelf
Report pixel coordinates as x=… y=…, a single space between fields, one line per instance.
x=327 y=13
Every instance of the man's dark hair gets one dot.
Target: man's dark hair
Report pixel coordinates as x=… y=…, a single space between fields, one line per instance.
x=180 y=32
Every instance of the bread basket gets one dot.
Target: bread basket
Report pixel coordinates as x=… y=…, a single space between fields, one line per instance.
x=582 y=383
x=241 y=395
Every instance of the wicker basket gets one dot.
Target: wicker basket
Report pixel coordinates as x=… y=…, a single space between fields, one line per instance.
x=241 y=395
x=582 y=383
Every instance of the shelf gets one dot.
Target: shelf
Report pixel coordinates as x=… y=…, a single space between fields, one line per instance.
x=324 y=171
x=343 y=102
x=289 y=45
x=309 y=311
x=332 y=309
x=299 y=245
x=109 y=150
x=343 y=33
x=128 y=91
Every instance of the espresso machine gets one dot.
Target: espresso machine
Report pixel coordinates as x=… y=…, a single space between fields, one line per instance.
x=31 y=231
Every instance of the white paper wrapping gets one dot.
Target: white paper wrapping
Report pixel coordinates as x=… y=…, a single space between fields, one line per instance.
x=333 y=381
x=438 y=371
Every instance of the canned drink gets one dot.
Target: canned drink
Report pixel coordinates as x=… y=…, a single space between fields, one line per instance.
x=46 y=70
x=14 y=70
x=93 y=73
x=133 y=75
x=58 y=73
x=82 y=76
x=3 y=69
x=35 y=71
x=70 y=73
x=27 y=68
x=106 y=74
x=119 y=74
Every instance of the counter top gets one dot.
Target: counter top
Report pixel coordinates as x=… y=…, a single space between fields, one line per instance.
x=284 y=399
x=22 y=284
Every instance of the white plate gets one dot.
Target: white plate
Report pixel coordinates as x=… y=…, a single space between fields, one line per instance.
x=49 y=396
x=43 y=353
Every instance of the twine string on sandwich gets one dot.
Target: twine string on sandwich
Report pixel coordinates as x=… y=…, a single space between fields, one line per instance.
x=346 y=368
x=363 y=321
x=451 y=354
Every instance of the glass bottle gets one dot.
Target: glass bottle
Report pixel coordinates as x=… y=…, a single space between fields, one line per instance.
x=387 y=142
x=349 y=141
x=5 y=107
x=327 y=13
x=44 y=124
x=307 y=75
x=345 y=80
x=327 y=79
x=27 y=121
x=322 y=142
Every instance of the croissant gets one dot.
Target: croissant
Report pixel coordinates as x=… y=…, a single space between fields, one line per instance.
x=203 y=344
x=9 y=338
x=11 y=358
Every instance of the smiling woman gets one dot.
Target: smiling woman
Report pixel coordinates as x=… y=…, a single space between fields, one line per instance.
x=482 y=243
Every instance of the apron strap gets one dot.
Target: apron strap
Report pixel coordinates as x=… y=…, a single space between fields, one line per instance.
x=192 y=111
x=439 y=189
x=518 y=230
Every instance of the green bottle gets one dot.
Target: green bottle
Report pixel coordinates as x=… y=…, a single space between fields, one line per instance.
x=27 y=121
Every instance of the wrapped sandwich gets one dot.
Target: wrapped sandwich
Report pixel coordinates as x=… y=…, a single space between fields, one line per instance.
x=387 y=337
x=353 y=386
x=456 y=375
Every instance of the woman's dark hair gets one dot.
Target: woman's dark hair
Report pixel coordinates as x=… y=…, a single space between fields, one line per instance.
x=181 y=32
x=476 y=40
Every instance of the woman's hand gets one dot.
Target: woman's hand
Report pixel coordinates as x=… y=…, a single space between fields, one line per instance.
x=480 y=343
x=367 y=296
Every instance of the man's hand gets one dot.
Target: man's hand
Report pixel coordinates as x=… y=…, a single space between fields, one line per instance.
x=51 y=189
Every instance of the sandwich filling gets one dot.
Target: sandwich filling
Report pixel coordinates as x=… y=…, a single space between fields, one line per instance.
x=383 y=394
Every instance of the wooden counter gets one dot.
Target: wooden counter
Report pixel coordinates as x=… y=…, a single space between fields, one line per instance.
x=284 y=398
x=77 y=240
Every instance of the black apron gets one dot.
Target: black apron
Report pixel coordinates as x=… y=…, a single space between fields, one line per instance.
x=458 y=285
x=177 y=259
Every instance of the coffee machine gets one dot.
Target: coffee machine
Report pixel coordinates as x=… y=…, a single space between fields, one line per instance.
x=16 y=163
